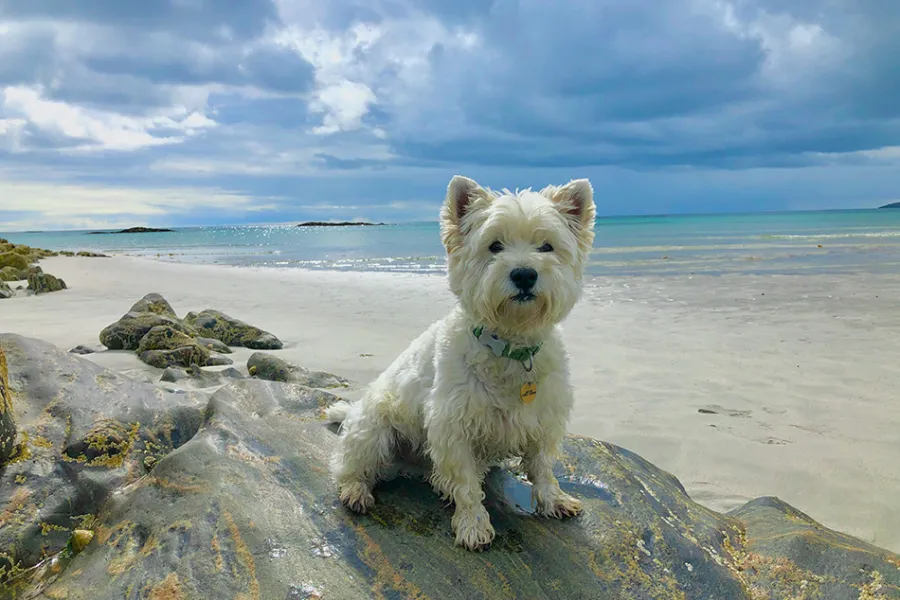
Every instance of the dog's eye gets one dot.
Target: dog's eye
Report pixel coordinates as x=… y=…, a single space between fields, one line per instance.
x=546 y=248
x=496 y=247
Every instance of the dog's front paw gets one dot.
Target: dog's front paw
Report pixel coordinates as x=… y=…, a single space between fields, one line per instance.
x=357 y=496
x=473 y=528
x=558 y=505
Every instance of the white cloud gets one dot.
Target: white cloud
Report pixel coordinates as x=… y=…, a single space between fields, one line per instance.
x=344 y=105
x=100 y=130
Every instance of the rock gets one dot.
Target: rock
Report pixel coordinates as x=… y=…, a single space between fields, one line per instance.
x=6 y=292
x=154 y=303
x=166 y=337
x=7 y=417
x=218 y=325
x=199 y=377
x=217 y=360
x=79 y=349
x=44 y=283
x=126 y=333
x=132 y=230
x=266 y=366
x=13 y=259
x=9 y=274
x=246 y=508
x=28 y=272
x=164 y=346
x=84 y=433
x=88 y=254
x=214 y=345
x=184 y=356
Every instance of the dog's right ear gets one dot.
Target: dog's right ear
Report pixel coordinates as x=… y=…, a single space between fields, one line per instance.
x=463 y=196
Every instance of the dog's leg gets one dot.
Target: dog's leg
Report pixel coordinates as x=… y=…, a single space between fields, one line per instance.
x=457 y=476
x=550 y=501
x=366 y=449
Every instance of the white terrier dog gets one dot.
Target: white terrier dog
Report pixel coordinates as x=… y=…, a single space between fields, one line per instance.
x=490 y=381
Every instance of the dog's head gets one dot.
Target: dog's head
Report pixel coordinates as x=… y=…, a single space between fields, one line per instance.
x=516 y=259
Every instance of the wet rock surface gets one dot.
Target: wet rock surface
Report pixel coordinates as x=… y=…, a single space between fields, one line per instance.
x=228 y=495
x=272 y=368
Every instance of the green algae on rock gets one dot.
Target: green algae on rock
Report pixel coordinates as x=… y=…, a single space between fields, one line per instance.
x=231 y=331
x=14 y=259
x=154 y=303
x=6 y=292
x=267 y=366
x=10 y=274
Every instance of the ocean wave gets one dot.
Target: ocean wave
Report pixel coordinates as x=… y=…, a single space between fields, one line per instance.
x=833 y=236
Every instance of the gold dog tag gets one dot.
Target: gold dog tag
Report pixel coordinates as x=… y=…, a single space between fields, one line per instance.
x=528 y=392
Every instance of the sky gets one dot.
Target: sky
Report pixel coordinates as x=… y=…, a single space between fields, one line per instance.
x=193 y=112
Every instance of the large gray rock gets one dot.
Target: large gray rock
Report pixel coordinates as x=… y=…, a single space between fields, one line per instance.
x=272 y=368
x=240 y=505
x=127 y=332
x=84 y=432
x=231 y=331
x=6 y=292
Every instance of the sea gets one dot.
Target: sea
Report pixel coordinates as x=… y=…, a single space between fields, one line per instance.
x=847 y=241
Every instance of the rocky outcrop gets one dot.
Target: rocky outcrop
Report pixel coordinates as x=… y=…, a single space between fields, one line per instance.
x=6 y=292
x=132 y=492
x=127 y=332
x=272 y=368
x=132 y=230
x=231 y=331
x=44 y=283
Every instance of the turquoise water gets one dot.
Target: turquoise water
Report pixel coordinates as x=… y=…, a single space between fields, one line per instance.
x=851 y=241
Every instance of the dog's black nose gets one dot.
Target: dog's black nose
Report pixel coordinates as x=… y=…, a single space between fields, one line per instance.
x=524 y=278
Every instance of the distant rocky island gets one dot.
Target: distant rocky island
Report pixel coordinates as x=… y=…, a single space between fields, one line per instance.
x=339 y=224
x=891 y=205
x=132 y=230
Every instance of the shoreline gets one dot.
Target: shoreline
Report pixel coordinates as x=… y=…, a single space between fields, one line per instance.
x=740 y=385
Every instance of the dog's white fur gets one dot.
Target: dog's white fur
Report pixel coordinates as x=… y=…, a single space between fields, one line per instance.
x=451 y=397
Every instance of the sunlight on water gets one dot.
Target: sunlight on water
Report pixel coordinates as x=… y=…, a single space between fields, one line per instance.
x=808 y=242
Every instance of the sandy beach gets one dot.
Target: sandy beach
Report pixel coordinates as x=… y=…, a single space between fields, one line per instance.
x=742 y=386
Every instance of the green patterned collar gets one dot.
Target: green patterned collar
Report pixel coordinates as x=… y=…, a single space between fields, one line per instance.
x=503 y=348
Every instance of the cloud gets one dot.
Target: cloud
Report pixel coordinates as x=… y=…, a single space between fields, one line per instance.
x=355 y=104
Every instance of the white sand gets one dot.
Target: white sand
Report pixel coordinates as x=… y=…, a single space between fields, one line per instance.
x=803 y=372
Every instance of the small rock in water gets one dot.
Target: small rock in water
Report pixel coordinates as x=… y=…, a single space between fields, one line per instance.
x=79 y=349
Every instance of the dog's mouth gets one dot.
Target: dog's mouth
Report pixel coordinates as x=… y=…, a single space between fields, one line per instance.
x=524 y=297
